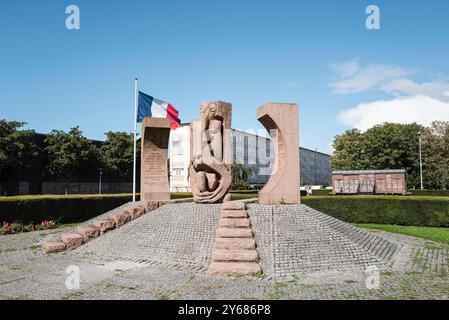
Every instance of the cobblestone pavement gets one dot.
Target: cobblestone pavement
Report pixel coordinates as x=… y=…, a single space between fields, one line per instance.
x=304 y=254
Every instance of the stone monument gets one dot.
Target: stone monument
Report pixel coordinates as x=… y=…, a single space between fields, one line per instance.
x=281 y=121
x=210 y=145
x=154 y=173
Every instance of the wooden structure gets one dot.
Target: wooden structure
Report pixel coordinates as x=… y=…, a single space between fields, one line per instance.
x=392 y=181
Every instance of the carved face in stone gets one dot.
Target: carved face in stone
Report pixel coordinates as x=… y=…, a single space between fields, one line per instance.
x=209 y=112
x=212 y=112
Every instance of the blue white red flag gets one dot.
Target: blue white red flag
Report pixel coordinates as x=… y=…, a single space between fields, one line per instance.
x=152 y=107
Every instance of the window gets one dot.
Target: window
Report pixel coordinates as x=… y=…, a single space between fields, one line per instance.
x=177 y=171
x=177 y=144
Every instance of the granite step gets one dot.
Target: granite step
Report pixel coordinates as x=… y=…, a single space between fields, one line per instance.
x=235 y=243
x=223 y=255
x=232 y=268
x=88 y=232
x=233 y=205
x=233 y=214
x=53 y=246
x=234 y=222
x=234 y=233
x=72 y=240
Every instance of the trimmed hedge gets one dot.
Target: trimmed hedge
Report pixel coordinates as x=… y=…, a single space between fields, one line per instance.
x=434 y=193
x=398 y=210
x=73 y=208
x=321 y=192
x=64 y=209
x=181 y=195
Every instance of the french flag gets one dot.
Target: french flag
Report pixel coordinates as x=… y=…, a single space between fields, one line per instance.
x=152 y=107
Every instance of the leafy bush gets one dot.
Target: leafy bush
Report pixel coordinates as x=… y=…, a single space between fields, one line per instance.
x=5 y=228
x=47 y=224
x=398 y=210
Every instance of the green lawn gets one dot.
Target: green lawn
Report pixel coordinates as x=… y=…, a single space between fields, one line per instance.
x=243 y=195
x=68 y=225
x=180 y=195
x=429 y=233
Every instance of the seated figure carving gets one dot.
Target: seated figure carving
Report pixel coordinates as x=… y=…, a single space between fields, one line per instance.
x=210 y=172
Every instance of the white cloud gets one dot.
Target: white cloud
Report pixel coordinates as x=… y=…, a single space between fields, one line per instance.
x=438 y=89
x=347 y=68
x=354 y=78
x=420 y=109
x=412 y=101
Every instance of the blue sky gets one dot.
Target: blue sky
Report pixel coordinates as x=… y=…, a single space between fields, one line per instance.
x=318 y=54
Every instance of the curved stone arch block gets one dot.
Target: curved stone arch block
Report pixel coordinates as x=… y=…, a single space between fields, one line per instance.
x=281 y=121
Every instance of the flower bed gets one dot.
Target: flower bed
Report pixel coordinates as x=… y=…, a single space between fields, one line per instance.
x=16 y=227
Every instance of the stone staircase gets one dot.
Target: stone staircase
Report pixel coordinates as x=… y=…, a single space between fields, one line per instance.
x=234 y=250
x=90 y=230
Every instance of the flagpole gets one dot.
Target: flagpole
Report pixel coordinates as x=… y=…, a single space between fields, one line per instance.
x=135 y=138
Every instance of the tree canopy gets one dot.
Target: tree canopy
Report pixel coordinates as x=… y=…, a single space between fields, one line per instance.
x=435 y=150
x=16 y=146
x=394 y=146
x=117 y=153
x=70 y=153
x=240 y=175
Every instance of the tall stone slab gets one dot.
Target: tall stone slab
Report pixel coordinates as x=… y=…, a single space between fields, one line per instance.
x=210 y=167
x=281 y=121
x=154 y=173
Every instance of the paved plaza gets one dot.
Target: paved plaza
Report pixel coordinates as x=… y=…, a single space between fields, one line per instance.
x=304 y=254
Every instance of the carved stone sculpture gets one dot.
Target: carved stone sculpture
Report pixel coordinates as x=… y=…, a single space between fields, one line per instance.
x=210 y=168
x=281 y=121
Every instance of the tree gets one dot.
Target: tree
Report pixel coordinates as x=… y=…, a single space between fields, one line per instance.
x=16 y=146
x=117 y=153
x=435 y=154
x=392 y=146
x=240 y=175
x=386 y=146
x=70 y=154
x=348 y=151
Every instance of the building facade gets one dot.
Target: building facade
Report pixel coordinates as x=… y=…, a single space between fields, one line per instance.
x=179 y=153
x=252 y=151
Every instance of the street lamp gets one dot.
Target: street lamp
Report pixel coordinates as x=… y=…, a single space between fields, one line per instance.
x=99 y=182
x=316 y=153
x=420 y=159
